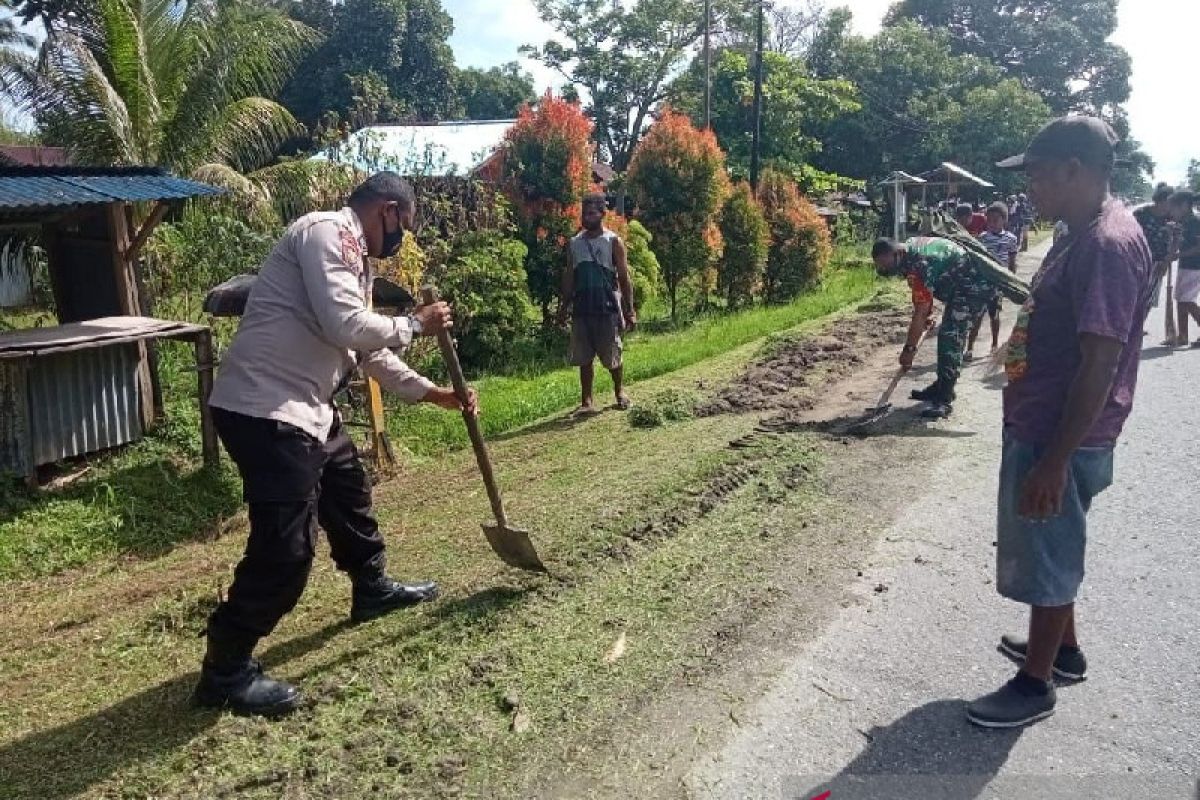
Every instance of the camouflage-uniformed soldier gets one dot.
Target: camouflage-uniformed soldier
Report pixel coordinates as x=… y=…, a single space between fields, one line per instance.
x=938 y=268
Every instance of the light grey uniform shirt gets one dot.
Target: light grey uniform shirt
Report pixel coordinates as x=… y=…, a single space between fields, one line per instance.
x=307 y=325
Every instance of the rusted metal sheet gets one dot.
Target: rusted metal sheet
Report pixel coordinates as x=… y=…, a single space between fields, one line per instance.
x=84 y=401
x=16 y=455
x=55 y=407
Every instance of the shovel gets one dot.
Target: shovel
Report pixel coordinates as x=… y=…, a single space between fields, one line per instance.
x=884 y=406
x=512 y=545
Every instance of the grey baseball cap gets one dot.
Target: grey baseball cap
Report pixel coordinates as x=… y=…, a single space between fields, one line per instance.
x=1089 y=139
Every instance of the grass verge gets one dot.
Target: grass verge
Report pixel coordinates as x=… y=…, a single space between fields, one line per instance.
x=145 y=499
x=462 y=698
x=514 y=402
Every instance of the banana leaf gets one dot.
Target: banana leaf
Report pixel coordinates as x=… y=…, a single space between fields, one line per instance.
x=943 y=226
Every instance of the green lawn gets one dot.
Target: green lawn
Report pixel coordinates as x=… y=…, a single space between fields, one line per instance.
x=145 y=499
x=514 y=402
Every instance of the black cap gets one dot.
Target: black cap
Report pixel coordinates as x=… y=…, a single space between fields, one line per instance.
x=1089 y=139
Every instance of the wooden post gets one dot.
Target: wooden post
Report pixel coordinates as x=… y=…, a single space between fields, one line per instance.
x=130 y=304
x=204 y=379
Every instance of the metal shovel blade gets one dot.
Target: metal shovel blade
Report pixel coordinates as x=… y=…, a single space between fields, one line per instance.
x=514 y=547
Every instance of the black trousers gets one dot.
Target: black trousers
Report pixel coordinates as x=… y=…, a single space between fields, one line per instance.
x=291 y=482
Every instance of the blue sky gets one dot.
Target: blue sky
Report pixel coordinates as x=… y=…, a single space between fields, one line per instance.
x=1159 y=34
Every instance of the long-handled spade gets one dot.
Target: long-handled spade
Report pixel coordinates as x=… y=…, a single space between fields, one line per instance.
x=512 y=545
x=881 y=409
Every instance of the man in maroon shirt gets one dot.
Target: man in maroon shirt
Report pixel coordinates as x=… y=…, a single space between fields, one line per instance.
x=1072 y=368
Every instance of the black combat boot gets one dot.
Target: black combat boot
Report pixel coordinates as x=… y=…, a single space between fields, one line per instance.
x=231 y=679
x=930 y=393
x=375 y=594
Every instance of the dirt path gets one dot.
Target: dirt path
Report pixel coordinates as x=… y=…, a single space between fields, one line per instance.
x=825 y=565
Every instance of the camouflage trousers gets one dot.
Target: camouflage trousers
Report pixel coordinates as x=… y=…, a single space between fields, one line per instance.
x=960 y=318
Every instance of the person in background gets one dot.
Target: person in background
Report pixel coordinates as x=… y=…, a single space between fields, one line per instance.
x=1003 y=247
x=1159 y=225
x=973 y=222
x=1061 y=230
x=1072 y=369
x=1187 y=279
x=598 y=293
x=1028 y=217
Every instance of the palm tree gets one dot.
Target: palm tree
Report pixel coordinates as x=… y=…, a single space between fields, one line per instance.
x=183 y=85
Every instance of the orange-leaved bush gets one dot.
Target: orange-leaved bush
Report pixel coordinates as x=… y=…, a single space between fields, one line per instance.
x=678 y=180
x=547 y=171
x=800 y=242
x=747 y=243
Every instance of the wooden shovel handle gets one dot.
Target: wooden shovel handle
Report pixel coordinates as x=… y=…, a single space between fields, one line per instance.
x=886 y=397
x=429 y=296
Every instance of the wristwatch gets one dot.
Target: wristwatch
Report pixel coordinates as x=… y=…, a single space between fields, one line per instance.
x=415 y=325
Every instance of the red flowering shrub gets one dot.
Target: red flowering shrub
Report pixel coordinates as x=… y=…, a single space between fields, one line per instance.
x=547 y=170
x=800 y=242
x=678 y=179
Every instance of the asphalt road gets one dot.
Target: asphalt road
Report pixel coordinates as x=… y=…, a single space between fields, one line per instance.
x=874 y=707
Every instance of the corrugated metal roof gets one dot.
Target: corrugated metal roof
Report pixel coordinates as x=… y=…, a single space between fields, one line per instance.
x=49 y=187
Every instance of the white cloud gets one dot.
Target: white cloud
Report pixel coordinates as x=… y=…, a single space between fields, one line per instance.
x=488 y=33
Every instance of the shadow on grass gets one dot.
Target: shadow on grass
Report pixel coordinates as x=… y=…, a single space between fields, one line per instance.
x=65 y=761
x=464 y=613
x=559 y=424
x=154 y=503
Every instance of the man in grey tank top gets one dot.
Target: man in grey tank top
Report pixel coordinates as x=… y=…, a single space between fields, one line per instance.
x=598 y=294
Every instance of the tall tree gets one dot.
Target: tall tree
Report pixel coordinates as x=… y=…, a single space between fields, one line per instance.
x=1193 y=175
x=901 y=74
x=495 y=93
x=401 y=45
x=790 y=29
x=1058 y=48
x=153 y=82
x=625 y=55
x=796 y=105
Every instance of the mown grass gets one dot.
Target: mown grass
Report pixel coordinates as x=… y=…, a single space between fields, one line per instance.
x=415 y=704
x=145 y=499
x=511 y=402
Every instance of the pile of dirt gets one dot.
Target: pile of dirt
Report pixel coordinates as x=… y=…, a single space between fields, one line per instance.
x=791 y=374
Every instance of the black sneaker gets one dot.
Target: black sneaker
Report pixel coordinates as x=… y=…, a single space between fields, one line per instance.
x=929 y=393
x=381 y=595
x=938 y=410
x=1022 y=701
x=1070 y=663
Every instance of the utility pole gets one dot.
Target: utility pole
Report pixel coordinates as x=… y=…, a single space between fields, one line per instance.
x=708 y=65
x=756 y=148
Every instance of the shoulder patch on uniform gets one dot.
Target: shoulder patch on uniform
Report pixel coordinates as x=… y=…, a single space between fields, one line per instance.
x=352 y=254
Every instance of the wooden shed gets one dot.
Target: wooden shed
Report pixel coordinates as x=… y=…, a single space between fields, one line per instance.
x=90 y=383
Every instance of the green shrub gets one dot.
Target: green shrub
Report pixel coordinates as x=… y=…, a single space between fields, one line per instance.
x=200 y=250
x=485 y=282
x=747 y=239
x=800 y=240
x=644 y=270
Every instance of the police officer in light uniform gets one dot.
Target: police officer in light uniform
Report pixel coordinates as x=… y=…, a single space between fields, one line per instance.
x=306 y=329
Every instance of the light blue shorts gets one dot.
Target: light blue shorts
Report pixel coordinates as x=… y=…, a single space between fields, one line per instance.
x=1040 y=563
